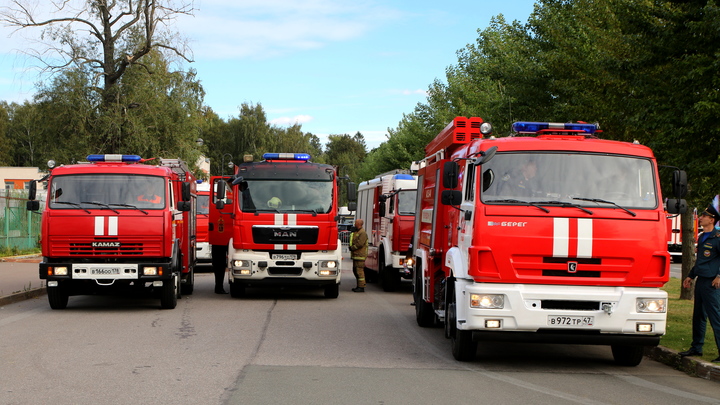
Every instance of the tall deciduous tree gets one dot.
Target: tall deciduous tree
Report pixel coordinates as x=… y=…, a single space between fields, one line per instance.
x=103 y=37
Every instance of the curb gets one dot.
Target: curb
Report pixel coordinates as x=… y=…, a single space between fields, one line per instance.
x=689 y=365
x=22 y=296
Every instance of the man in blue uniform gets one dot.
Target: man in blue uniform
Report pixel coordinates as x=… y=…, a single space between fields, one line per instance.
x=707 y=284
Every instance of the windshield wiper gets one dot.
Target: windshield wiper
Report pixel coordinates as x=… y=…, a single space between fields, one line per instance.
x=598 y=200
x=130 y=206
x=101 y=205
x=73 y=204
x=566 y=204
x=511 y=201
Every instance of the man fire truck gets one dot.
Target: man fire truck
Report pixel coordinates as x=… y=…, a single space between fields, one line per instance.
x=549 y=235
x=114 y=225
x=277 y=226
x=204 y=253
x=386 y=204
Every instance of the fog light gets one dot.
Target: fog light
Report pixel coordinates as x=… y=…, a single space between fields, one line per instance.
x=326 y=272
x=492 y=323
x=487 y=301
x=644 y=327
x=150 y=271
x=244 y=272
x=61 y=271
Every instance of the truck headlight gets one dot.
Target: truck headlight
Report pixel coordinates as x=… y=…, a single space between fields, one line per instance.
x=487 y=301
x=242 y=264
x=60 y=271
x=327 y=268
x=651 y=305
x=150 y=271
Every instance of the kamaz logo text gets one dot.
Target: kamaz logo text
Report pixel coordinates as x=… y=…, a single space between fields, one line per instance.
x=285 y=234
x=106 y=244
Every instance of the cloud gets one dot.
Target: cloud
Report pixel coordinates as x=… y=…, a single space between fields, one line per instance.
x=288 y=121
x=262 y=29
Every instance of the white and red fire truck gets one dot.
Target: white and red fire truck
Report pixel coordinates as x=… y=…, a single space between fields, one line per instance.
x=204 y=252
x=115 y=225
x=276 y=224
x=386 y=204
x=549 y=235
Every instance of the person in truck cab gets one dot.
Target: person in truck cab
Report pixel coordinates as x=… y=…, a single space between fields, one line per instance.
x=521 y=183
x=149 y=194
x=706 y=273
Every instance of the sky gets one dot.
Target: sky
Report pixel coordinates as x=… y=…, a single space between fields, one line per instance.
x=333 y=66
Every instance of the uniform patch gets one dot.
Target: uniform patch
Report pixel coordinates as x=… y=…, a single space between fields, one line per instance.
x=706 y=253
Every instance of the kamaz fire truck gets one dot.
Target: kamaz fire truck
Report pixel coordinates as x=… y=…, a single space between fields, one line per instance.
x=115 y=225
x=274 y=223
x=548 y=235
x=204 y=253
x=386 y=204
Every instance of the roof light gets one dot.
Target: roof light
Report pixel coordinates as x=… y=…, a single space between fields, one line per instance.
x=287 y=156
x=535 y=127
x=114 y=158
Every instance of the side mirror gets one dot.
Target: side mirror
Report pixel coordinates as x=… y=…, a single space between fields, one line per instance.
x=351 y=192
x=382 y=209
x=33 y=205
x=32 y=192
x=486 y=156
x=676 y=206
x=184 y=205
x=450 y=175
x=185 y=190
x=352 y=206
x=451 y=197
x=679 y=184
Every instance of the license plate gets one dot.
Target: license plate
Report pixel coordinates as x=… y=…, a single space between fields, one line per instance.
x=106 y=271
x=284 y=257
x=572 y=321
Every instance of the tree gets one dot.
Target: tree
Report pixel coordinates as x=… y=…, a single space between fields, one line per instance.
x=120 y=34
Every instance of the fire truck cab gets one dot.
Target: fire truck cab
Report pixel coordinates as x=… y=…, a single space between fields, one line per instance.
x=386 y=204
x=204 y=252
x=275 y=223
x=115 y=225
x=548 y=235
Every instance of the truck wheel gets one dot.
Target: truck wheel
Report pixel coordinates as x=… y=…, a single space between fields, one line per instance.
x=332 y=290
x=626 y=355
x=169 y=293
x=424 y=313
x=463 y=347
x=390 y=277
x=187 y=287
x=237 y=290
x=58 y=296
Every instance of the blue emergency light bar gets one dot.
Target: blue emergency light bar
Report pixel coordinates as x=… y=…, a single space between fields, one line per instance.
x=535 y=127
x=287 y=156
x=114 y=158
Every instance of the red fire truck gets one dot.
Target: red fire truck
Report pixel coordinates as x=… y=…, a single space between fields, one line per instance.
x=386 y=204
x=275 y=224
x=548 y=235
x=204 y=253
x=115 y=225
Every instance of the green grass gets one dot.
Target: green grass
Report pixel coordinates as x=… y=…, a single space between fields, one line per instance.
x=13 y=251
x=678 y=335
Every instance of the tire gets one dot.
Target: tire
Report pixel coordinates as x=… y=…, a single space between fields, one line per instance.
x=169 y=293
x=424 y=313
x=627 y=355
x=237 y=290
x=188 y=286
x=461 y=343
x=58 y=296
x=390 y=278
x=332 y=290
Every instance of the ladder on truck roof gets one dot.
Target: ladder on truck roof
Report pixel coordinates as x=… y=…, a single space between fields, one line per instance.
x=177 y=166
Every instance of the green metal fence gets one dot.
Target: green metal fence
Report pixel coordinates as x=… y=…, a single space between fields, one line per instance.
x=19 y=228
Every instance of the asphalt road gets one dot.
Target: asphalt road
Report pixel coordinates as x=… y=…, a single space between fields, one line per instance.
x=296 y=347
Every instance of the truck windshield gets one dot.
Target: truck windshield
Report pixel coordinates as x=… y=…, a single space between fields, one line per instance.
x=406 y=202
x=573 y=178
x=287 y=196
x=116 y=191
